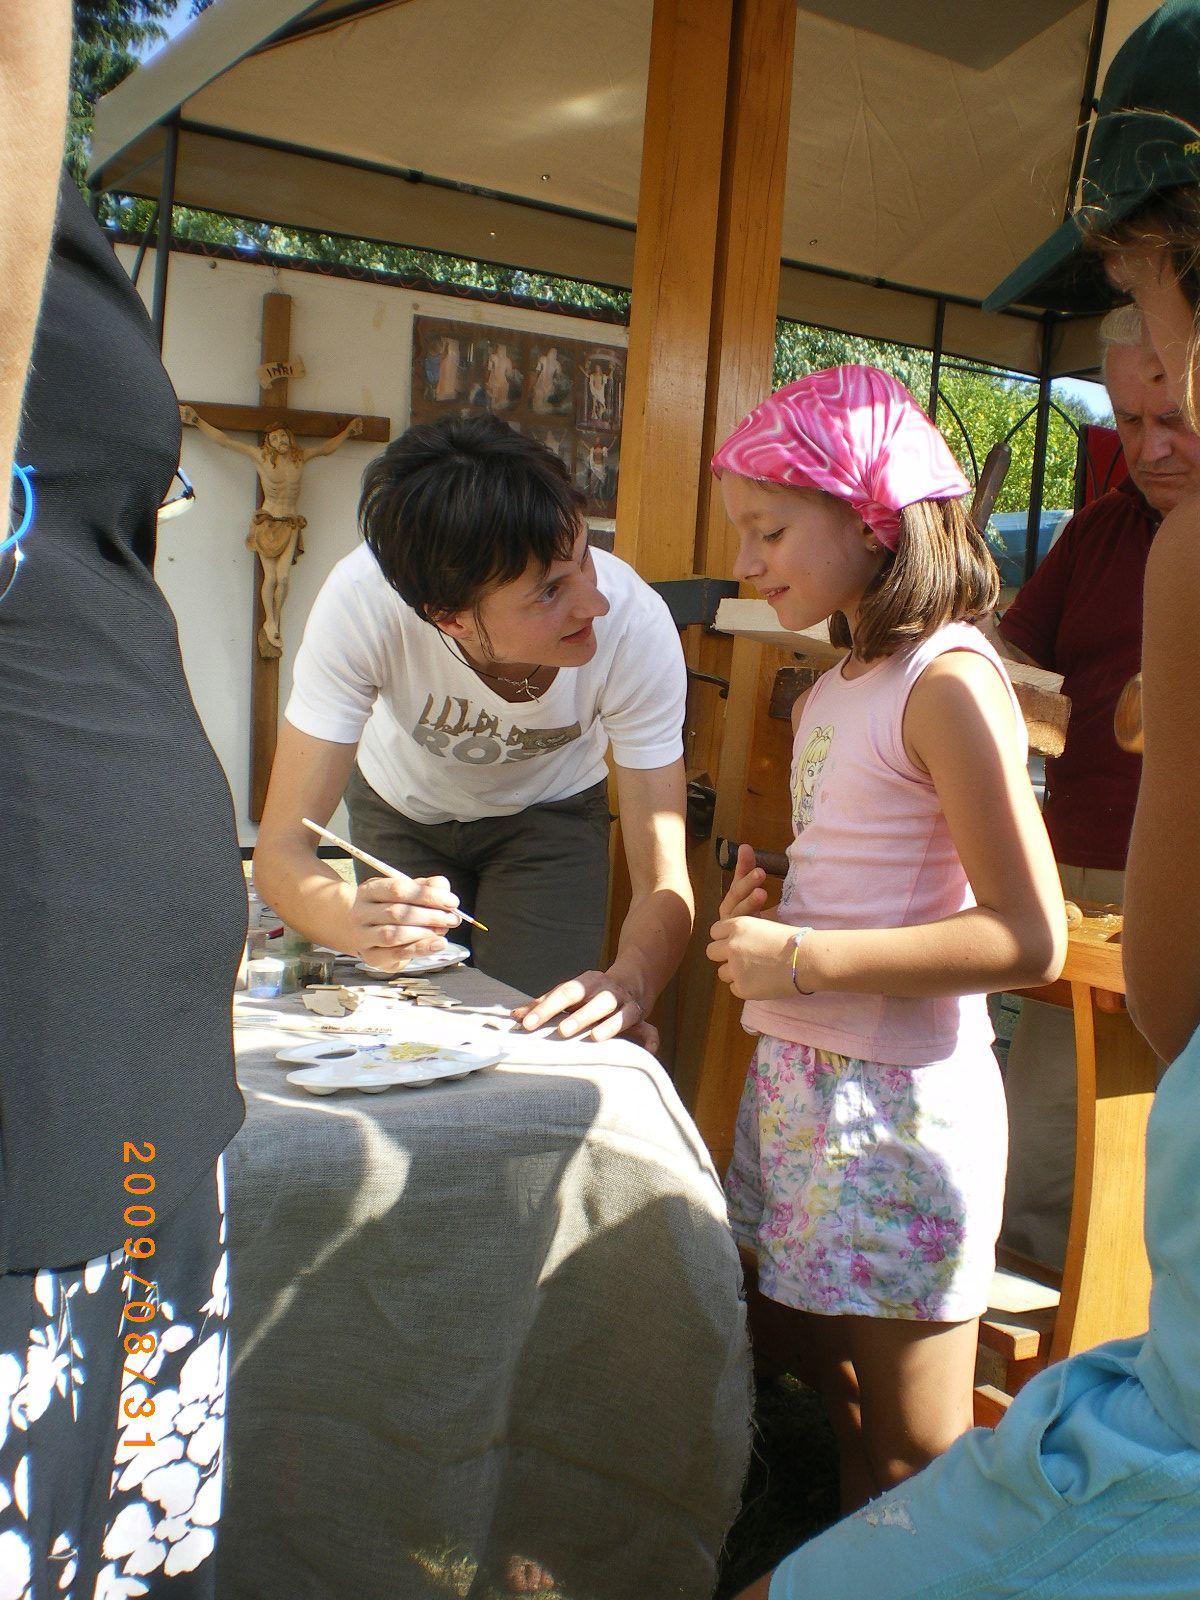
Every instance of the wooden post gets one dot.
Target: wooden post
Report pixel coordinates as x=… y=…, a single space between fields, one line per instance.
x=935 y=372
x=749 y=245
x=702 y=328
x=711 y=1049
x=670 y=323
x=1041 y=442
x=673 y=287
x=264 y=674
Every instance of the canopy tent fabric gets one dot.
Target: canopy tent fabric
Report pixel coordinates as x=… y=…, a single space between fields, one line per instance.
x=930 y=147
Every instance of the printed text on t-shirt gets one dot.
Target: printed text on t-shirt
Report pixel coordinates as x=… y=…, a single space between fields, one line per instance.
x=477 y=738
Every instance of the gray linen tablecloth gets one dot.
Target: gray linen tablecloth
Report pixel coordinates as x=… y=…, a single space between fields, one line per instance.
x=492 y=1318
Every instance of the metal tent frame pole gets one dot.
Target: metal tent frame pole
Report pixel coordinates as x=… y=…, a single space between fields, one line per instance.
x=1041 y=439
x=95 y=186
x=935 y=375
x=162 y=248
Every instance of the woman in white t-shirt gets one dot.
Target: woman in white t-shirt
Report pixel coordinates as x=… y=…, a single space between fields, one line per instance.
x=462 y=676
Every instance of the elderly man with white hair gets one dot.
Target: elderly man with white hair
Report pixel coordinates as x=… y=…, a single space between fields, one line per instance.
x=1081 y=615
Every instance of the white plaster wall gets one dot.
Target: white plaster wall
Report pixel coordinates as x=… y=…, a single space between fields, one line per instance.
x=356 y=343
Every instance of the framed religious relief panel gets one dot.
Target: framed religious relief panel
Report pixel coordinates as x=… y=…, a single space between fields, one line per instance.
x=567 y=393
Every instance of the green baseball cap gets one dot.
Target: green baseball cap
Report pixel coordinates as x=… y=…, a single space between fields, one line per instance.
x=1146 y=138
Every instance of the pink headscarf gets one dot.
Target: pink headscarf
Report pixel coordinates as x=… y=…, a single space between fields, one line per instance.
x=854 y=432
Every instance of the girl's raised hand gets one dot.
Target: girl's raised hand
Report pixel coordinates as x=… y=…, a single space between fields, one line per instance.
x=746 y=895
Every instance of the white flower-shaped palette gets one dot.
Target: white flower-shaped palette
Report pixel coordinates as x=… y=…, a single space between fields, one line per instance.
x=371 y=1069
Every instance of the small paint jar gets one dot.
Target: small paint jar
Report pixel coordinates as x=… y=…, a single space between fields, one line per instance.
x=265 y=976
x=316 y=967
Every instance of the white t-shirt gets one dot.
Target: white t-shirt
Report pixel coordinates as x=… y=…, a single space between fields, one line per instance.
x=439 y=744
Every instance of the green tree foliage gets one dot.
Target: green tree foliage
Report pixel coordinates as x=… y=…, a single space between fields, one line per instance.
x=108 y=33
x=241 y=233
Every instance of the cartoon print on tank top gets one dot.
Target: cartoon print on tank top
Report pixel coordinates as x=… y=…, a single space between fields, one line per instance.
x=807 y=774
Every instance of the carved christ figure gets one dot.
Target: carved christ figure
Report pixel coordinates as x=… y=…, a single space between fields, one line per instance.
x=276 y=527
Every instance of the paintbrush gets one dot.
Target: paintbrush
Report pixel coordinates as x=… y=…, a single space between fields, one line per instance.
x=380 y=866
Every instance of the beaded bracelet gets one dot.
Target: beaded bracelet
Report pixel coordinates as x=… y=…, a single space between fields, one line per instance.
x=796 y=938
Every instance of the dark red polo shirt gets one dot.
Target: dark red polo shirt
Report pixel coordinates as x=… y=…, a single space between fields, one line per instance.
x=1081 y=615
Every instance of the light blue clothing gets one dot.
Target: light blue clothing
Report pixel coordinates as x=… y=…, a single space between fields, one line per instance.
x=1090 y=1487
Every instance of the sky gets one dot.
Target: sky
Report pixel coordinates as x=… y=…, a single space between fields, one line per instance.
x=1092 y=394
x=174 y=24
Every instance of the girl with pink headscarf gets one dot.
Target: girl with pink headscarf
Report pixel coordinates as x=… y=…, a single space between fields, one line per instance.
x=868 y=1170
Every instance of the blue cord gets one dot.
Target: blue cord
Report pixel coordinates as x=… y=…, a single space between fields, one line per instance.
x=25 y=477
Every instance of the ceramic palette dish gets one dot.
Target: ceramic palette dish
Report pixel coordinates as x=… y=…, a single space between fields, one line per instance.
x=452 y=956
x=371 y=1052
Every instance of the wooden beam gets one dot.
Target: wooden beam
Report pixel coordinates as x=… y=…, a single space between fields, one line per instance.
x=670 y=322
x=304 y=424
x=991 y=1404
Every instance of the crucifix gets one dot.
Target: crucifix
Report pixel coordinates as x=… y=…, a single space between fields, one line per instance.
x=275 y=527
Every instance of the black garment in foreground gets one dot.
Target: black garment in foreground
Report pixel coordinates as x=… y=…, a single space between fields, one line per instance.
x=122 y=905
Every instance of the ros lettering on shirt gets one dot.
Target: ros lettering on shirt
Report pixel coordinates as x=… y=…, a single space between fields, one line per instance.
x=476 y=739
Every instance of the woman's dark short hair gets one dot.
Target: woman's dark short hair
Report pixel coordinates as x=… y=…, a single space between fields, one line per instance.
x=454 y=508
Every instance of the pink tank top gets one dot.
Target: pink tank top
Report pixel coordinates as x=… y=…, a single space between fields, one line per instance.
x=872 y=850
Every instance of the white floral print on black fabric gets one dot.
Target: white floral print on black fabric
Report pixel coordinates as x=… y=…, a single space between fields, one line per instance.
x=49 y=1372
x=165 y=1497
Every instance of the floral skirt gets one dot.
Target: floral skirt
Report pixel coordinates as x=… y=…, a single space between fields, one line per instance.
x=112 y=1417
x=870 y=1190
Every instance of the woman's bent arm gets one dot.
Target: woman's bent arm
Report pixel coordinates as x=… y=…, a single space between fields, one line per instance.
x=381 y=920
x=1162 y=899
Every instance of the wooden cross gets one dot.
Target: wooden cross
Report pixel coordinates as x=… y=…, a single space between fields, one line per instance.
x=273 y=411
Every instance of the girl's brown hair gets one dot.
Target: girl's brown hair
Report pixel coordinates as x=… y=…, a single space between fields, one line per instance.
x=942 y=571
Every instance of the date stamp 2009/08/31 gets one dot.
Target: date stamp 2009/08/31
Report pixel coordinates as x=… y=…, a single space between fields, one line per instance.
x=143 y=1303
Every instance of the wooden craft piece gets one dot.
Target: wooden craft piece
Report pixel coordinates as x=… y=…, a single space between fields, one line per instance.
x=1044 y=707
x=330 y=1000
x=1127 y=720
